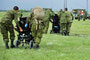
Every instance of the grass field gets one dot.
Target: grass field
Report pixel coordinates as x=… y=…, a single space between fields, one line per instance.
x=55 y=46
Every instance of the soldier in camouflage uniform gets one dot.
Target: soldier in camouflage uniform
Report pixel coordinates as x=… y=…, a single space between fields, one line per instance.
x=60 y=12
x=78 y=15
x=49 y=15
x=36 y=25
x=63 y=22
x=7 y=26
x=84 y=15
x=69 y=18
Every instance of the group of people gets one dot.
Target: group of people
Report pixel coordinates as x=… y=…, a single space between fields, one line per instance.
x=63 y=18
x=66 y=19
x=82 y=15
x=39 y=22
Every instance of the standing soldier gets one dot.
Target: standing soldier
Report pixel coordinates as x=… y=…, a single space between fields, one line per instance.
x=7 y=26
x=78 y=15
x=84 y=15
x=69 y=18
x=63 y=22
x=36 y=19
x=49 y=14
x=60 y=12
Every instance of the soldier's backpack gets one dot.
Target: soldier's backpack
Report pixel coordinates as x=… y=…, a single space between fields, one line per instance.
x=38 y=13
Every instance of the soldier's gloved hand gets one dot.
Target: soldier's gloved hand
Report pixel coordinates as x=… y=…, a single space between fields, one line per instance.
x=21 y=30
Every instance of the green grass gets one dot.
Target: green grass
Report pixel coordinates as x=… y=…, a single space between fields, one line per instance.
x=2 y=14
x=55 y=46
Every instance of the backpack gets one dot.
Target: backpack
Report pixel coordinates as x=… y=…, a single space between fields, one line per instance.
x=38 y=13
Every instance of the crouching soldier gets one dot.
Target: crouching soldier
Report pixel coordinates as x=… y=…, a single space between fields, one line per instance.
x=36 y=19
x=7 y=26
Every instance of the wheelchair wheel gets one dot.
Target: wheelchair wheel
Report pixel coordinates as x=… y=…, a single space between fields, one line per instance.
x=31 y=44
x=22 y=44
x=17 y=43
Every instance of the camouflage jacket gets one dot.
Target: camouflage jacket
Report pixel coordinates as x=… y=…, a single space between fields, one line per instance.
x=62 y=17
x=48 y=16
x=59 y=13
x=9 y=17
x=33 y=22
x=69 y=16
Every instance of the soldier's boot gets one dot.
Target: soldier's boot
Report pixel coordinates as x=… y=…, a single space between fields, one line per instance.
x=67 y=33
x=36 y=46
x=6 y=46
x=12 y=45
x=84 y=20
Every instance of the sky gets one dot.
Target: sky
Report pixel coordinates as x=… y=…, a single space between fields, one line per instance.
x=56 y=5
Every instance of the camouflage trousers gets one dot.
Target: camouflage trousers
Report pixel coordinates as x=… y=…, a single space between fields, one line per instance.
x=78 y=18
x=37 y=36
x=68 y=26
x=46 y=27
x=5 y=28
x=63 y=27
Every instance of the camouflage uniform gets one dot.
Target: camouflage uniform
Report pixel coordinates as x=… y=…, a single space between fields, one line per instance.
x=63 y=22
x=7 y=26
x=78 y=17
x=60 y=14
x=37 y=34
x=36 y=28
x=48 y=16
x=69 y=19
x=84 y=16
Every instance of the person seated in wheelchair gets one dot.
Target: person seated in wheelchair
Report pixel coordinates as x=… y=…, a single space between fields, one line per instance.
x=25 y=26
x=24 y=33
x=55 y=24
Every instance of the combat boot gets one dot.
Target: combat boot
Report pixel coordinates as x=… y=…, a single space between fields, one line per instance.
x=6 y=46
x=36 y=46
x=12 y=45
x=65 y=33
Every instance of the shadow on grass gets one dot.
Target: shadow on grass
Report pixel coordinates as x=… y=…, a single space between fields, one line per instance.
x=80 y=35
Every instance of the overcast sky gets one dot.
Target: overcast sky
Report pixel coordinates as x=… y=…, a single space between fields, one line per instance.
x=54 y=4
